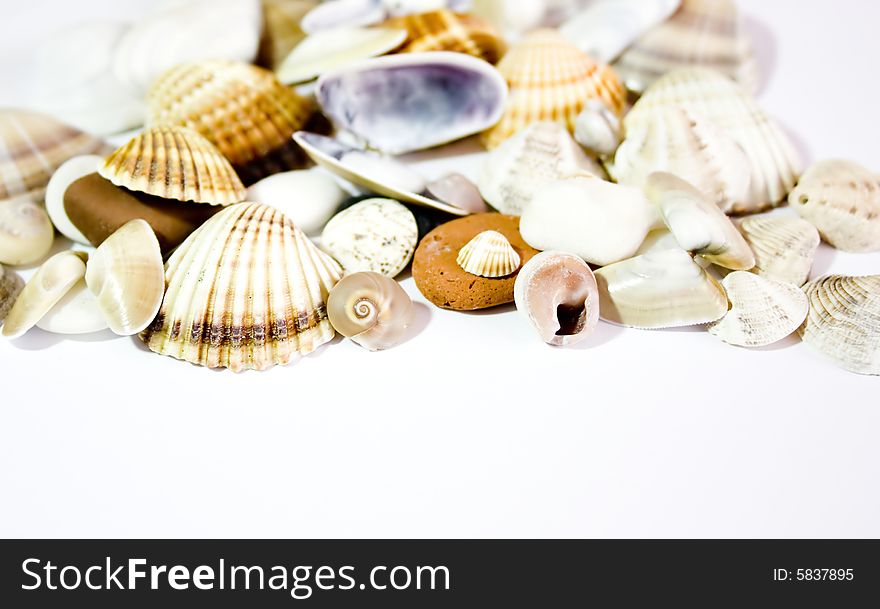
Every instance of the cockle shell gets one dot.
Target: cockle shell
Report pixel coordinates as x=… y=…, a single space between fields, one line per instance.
x=762 y=311
x=550 y=79
x=370 y=309
x=76 y=313
x=525 y=163
x=718 y=100
x=402 y=103
x=705 y=33
x=842 y=200
x=26 y=234
x=784 y=246
x=488 y=254
x=247 y=290
x=309 y=197
x=126 y=275
x=597 y=128
x=281 y=29
x=10 y=287
x=444 y=30
x=557 y=293
x=174 y=163
x=663 y=289
x=697 y=223
x=844 y=321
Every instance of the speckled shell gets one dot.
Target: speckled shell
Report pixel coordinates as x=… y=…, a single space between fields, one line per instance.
x=550 y=79
x=174 y=163
x=247 y=290
x=281 y=29
x=444 y=30
x=10 y=287
x=488 y=254
x=784 y=246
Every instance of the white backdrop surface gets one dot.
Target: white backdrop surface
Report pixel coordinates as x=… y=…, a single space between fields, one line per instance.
x=472 y=427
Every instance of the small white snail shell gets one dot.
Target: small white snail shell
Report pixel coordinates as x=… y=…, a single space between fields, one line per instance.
x=370 y=309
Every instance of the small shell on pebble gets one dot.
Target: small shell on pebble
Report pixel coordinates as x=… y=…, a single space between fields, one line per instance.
x=488 y=254
x=10 y=287
x=26 y=233
x=76 y=313
x=370 y=309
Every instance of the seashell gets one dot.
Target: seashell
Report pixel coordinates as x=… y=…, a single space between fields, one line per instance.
x=184 y=32
x=378 y=235
x=339 y=13
x=69 y=172
x=26 y=234
x=281 y=29
x=606 y=27
x=697 y=223
x=174 y=163
x=488 y=254
x=247 y=290
x=126 y=275
x=33 y=146
x=456 y=190
x=402 y=8
x=402 y=103
x=784 y=246
x=599 y=221
x=662 y=289
x=557 y=293
x=10 y=287
x=844 y=321
x=762 y=311
x=524 y=164
x=658 y=240
x=550 y=79
x=443 y=30
x=44 y=289
x=678 y=141
x=702 y=33
x=721 y=102
x=330 y=49
x=308 y=197
x=76 y=313
x=385 y=170
x=597 y=128
x=511 y=17
x=842 y=200
x=370 y=309
x=240 y=108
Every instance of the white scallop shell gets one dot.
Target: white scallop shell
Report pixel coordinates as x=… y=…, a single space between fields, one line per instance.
x=784 y=246
x=488 y=254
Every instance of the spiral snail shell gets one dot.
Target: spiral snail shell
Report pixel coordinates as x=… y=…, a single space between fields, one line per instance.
x=370 y=309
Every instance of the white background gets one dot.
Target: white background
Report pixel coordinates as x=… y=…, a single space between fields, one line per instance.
x=473 y=427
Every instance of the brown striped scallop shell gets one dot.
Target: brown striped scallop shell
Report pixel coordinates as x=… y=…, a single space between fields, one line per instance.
x=444 y=30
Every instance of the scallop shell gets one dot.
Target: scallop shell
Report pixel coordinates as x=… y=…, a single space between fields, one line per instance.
x=842 y=200
x=33 y=146
x=76 y=313
x=550 y=79
x=488 y=254
x=718 y=100
x=762 y=311
x=247 y=290
x=844 y=321
x=281 y=29
x=784 y=246
x=557 y=293
x=370 y=309
x=174 y=163
x=704 y=33
x=402 y=103
x=26 y=234
x=597 y=128
x=10 y=287
x=444 y=30
x=663 y=289
x=522 y=165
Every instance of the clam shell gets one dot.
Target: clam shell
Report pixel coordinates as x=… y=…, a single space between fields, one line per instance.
x=281 y=29
x=343 y=13
x=842 y=200
x=370 y=309
x=247 y=290
x=784 y=246
x=69 y=172
x=844 y=321
x=597 y=128
x=444 y=30
x=174 y=163
x=762 y=311
x=524 y=164
x=557 y=293
x=488 y=254
x=718 y=100
x=10 y=287
x=309 y=197
x=26 y=234
x=704 y=33
x=662 y=289
x=76 y=313
x=658 y=240
x=402 y=103
x=550 y=79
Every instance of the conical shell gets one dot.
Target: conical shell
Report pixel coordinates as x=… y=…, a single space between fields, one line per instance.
x=550 y=79
x=174 y=163
x=33 y=146
x=10 y=287
x=281 y=29
x=26 y=234
x=488 y=254
x=711 y=96
x=370 y=309
x=784 y=246
x=842 y=200
x=844 y=321
x=762 y=311
x=444 y=30
x=247 y=290
x=705 y=33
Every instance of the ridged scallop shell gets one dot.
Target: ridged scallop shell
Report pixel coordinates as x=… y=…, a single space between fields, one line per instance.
x=711 y=96
x=33 y=146
x=844 y=321
x=444 y=30
x=762 y=311
x=26 y=233
x=784 y=246
x=281 y=29
x=174 y=163
x=370 y=309
x=488 y=254
x=705 y=33
x=10 y=287
x=842 y=200
x=247 y=290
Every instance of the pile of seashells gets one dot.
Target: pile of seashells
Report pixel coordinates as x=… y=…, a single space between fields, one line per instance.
x=263 y=204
